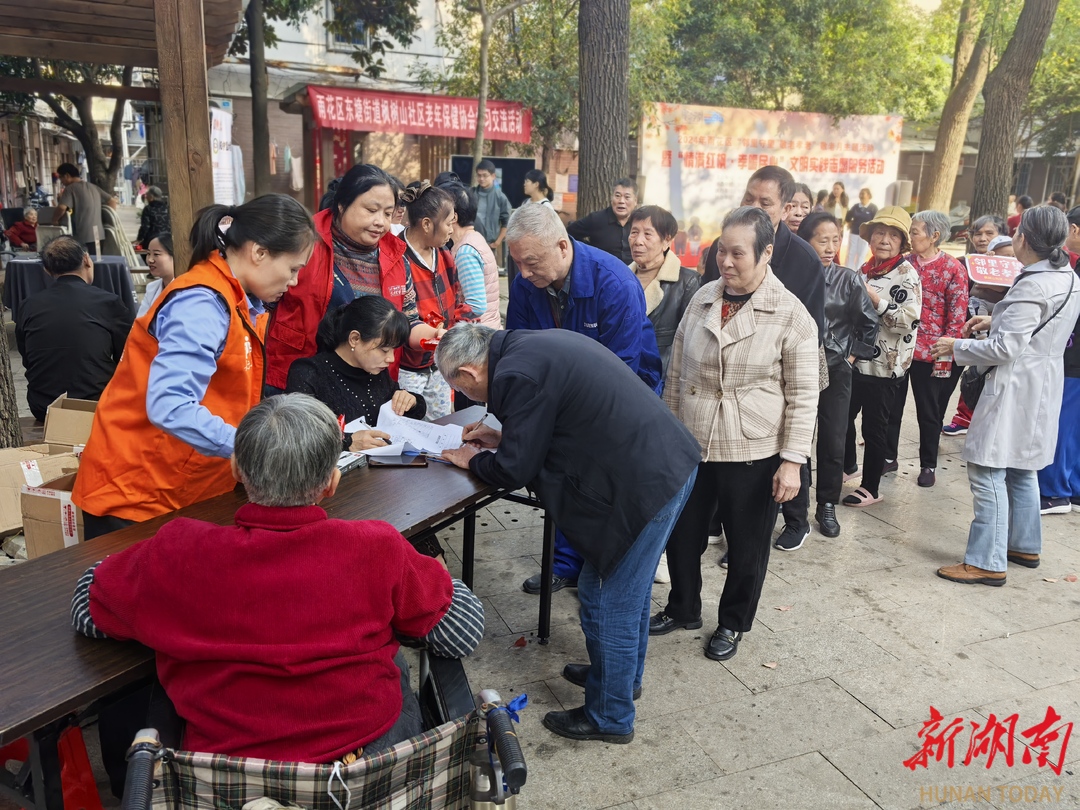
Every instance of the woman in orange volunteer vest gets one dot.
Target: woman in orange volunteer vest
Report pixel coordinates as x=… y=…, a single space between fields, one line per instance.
x=193 y=366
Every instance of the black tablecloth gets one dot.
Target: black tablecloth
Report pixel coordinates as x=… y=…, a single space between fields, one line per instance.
x=27 y=276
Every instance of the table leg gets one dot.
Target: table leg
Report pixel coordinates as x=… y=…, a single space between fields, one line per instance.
x=468 y=548
x=45 y=766
x=547 y=566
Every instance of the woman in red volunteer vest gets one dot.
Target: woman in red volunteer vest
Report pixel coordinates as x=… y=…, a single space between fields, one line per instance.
x=193 y=366
x=355 y=255
x=439 y=300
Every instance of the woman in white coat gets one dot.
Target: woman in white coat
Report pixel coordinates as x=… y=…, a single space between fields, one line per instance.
x=1014 y=428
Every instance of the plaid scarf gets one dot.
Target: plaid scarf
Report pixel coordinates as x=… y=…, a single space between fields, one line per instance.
x=356 y=264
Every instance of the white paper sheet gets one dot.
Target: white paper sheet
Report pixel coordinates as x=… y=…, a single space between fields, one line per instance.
x=418 y=436
x=389 y=450
x=356 y=425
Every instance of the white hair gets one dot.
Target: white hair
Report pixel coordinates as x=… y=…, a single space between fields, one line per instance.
x=466 y=344
x=538 y=221
x=286 y=449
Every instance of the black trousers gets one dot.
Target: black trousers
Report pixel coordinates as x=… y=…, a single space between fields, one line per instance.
x=874 y=396
x=797 y=511
x=833 y=408
x=740 y=493
x=931 y=401
x=95 y=526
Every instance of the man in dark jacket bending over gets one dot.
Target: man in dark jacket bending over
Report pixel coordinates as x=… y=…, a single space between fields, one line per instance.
x=612 y=466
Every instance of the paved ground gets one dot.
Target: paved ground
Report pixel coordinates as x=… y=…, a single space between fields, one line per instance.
x=854 y=641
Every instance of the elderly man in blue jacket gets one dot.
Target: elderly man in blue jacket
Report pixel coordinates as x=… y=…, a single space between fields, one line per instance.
x=566 y=284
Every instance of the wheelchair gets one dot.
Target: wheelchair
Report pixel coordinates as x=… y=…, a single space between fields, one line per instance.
x=469 y=759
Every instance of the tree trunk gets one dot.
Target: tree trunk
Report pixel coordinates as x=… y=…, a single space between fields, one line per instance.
x=487 y=24
x=1005 y=92
x=260 y=120
x=604 y=105
x=967 y=32
x=936 y=193
x=10 y=431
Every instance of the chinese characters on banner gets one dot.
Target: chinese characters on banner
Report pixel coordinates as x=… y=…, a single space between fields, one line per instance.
x=998 y=271
x=417 y=114
x=221 y=159
x=1044 y=743
x=695 y=161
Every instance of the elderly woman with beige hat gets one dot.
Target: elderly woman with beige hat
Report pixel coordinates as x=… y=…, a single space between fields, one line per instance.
x=896 y=293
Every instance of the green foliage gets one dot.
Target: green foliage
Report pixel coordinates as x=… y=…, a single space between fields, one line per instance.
x=533 y=59
x=375 y=26
x=851 y=57
x=25 y=68
x=1053 y=107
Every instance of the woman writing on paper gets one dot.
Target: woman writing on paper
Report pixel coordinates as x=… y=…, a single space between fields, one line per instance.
x=350 y=373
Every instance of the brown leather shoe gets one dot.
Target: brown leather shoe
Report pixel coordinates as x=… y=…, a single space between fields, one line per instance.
x=1021 y=558
x=970 y=575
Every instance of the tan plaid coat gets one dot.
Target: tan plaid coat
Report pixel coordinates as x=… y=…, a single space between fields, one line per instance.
x=749 y=390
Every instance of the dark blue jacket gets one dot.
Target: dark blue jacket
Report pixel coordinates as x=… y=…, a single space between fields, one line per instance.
x=606 y=304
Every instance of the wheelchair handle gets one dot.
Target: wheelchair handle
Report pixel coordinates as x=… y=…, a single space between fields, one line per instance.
x=507 y=748
x=139 y=782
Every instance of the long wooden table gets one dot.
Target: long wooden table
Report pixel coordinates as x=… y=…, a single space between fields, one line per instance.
x=48 y=672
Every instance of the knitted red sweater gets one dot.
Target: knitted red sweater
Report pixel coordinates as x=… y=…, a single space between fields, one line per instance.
x=274 y=637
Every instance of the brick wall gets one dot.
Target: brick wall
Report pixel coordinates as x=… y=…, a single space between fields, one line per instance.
x=285 y=129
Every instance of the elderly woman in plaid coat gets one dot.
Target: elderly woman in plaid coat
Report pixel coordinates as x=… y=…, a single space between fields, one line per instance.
x=744 y=380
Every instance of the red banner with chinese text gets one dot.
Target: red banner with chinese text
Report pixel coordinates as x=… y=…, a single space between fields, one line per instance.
x=998 y=271
x=417 y=114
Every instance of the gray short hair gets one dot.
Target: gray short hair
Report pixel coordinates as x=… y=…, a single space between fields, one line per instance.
x=28 y=211
x=539 y=221
x=155 y=192
x=935 y=221
x=466 y=344
x=286 y=450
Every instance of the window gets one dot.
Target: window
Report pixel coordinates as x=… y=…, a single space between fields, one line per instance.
x=344 y=44
x=1061 y=177
x=1022 y=172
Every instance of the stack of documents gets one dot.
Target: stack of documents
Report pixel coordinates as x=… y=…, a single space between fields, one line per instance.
x=408 y=436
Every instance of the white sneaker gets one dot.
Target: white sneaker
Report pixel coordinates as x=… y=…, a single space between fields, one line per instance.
x=662 y=576
x=716 y=539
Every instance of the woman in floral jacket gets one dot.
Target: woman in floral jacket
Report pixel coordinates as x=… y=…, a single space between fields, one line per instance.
x=944 y=311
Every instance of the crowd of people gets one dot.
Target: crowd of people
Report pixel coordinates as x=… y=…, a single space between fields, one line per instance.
x=286 y=327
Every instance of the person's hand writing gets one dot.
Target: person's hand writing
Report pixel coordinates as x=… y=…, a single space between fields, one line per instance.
x=786 y=483
x=980 y=323
x=481 y=436
x=369 y=440
x=461 y=456
x=402 y=401
x=943 y=347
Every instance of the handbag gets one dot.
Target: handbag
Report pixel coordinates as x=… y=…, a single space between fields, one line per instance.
x=972 y=380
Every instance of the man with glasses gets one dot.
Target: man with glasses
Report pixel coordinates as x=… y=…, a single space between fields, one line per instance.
x=609 y=230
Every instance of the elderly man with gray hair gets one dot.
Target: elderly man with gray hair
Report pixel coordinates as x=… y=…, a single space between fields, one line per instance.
x=566 y=284
x=277 y=637
x=612 y=466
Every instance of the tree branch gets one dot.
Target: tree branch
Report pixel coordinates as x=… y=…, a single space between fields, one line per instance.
x=115 y=128
x=507 y=9
x=62 y=118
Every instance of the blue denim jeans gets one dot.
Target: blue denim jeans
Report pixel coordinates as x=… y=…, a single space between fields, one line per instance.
x=1006 y=515
x=615 y=618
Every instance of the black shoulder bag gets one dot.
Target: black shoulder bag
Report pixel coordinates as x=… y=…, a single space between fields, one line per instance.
x=972 y=381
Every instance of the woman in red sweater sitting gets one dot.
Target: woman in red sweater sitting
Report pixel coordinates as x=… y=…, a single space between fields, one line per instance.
x=23 y=234
x=276 y=637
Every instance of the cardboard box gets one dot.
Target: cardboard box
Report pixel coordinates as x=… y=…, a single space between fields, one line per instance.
x=28 y=466
x=50 y=520
x=68 y=421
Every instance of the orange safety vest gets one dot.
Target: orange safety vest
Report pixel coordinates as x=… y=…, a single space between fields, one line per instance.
x=135 y=471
